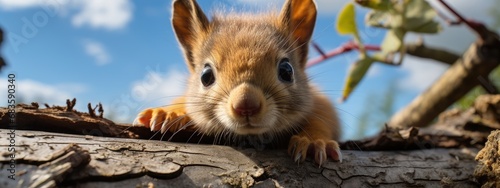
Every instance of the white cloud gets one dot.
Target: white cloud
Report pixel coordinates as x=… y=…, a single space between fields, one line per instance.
x=28 y=91
x=257 y=2
x=159 y=88
x=325 y=7
x=17 y=4
x=106 y=14
x=156 y=88
x=97 y=51
x=13 y=4
x=261 y=4
x=420 y=73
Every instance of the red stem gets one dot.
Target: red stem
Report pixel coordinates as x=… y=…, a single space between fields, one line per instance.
x=346 y=47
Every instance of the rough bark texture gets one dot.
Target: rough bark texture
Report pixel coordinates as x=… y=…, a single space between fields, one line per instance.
x=51 y=159
x=454 y=129
x=488 y=169
x=479 y=60
x=404 y=157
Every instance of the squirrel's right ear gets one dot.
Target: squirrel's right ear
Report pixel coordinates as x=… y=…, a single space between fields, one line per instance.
x=299 y=17
x=188 y=20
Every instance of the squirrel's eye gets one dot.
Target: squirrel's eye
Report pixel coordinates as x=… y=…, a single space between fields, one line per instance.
x=285 y=71
x=207 y=76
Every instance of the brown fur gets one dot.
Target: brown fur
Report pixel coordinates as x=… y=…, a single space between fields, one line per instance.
x=244 y=52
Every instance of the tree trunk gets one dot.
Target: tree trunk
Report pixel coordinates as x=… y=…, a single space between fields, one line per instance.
x=64 y=160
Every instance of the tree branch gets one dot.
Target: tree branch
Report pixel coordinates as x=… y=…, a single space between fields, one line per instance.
x=344 y=48
x=419 y=49
x=479 y=60
x=477 y=27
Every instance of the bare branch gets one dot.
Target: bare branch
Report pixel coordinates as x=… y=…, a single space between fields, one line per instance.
x=477 y=27
x=346 y=47
x=418 y=49
x=457 y=81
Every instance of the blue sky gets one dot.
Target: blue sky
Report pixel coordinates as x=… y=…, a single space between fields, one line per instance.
x=124 y=54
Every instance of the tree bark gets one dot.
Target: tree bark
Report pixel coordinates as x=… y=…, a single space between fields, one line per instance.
x=488 y=170
x=64 y=160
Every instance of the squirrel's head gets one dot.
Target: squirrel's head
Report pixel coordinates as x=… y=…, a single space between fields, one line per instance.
x=247 y=71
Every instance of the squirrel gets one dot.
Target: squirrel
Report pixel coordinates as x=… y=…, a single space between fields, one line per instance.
x=247 y=77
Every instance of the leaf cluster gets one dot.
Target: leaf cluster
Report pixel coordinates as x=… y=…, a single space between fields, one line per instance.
x=398 y=17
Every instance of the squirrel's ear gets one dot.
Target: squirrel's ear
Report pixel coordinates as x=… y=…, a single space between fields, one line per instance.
x=188 y=21
x=299 y=16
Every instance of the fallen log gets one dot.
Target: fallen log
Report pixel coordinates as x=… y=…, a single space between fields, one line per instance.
x=88 y=161
x=100 y=153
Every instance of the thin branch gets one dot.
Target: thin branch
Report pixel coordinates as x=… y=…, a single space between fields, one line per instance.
x=418 y=49
x=346 y=47
x=318 y=49
x=478 y=27
x=447 y=19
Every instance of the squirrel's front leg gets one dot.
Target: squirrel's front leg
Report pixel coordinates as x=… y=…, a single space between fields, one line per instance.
x=317 y=136
x=172 y=117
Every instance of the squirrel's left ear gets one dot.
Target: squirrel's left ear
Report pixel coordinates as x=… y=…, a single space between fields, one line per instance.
x=299 y=16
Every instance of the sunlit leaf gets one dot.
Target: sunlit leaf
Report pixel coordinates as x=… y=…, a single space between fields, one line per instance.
x=356 y=74
x=376 y=4
x=419 y=17
x=346 y=23
x=421 y=9
x=428 y=27
x=393 y=40
x=378 y=19
x=380 y=57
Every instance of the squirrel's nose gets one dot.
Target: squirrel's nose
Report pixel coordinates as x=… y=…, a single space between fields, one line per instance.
x=247 y=107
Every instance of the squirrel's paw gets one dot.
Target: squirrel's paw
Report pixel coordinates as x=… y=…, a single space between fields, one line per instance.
x=301 y=146
x=162 y=119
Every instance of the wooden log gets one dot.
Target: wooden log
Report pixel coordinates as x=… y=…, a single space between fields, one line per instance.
x=488 y=169
x=116 y=162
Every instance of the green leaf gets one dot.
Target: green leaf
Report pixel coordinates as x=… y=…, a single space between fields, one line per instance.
x=420 y=9
x=427 y=27
x=346 y=23
x=376 y=18
x=376 y=4
x=393 y=41
x=356 y=74
x=419 y=17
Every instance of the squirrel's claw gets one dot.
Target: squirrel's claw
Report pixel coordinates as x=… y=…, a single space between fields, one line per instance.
x=162 y=119
x=320 y=149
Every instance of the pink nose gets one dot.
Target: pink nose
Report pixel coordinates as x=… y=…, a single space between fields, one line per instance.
x=246 y=107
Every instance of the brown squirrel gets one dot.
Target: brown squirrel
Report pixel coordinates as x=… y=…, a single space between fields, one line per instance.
x=247 y=77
